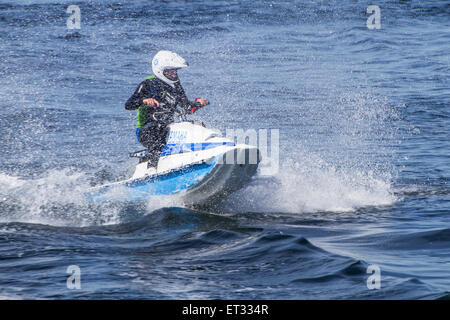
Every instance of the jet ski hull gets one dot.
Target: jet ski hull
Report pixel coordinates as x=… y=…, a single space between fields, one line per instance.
x=200 y=175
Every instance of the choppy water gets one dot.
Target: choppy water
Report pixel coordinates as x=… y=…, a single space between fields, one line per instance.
x=364 y=149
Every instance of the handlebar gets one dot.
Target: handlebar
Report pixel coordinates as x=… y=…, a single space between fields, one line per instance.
x=181 y=113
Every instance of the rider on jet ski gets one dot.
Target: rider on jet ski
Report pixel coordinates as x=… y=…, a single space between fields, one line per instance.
x=156 y=99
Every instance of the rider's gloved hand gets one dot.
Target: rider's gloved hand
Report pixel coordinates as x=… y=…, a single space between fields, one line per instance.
x=151 y=102
x=199 y=103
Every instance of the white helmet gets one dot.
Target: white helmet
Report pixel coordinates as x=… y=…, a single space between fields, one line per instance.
x=167 y=60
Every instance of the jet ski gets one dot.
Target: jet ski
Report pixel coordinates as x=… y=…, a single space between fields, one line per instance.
x=197 y=164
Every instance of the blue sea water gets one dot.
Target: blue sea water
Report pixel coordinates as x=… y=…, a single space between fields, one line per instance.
x=363 y=116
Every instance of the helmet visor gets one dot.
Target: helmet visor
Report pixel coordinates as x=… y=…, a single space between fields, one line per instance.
x=171 y=74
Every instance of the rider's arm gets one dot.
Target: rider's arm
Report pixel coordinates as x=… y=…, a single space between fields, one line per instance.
x=144 y=90
x=189 y=106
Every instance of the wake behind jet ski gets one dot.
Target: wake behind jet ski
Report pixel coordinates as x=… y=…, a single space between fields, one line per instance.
x=182 y=158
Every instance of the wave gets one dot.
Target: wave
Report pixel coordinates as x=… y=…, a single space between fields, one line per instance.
x=58 y=198
x=313 y=185
x=306 y=185
x=432 y=239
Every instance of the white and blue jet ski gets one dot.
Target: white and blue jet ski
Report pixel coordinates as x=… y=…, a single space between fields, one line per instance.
x=198 y=164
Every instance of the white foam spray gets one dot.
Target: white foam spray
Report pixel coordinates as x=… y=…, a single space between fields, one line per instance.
x=59 y=198
x=310 y=184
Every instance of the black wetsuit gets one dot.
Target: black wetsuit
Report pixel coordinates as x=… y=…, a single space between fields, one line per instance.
x=152 y=122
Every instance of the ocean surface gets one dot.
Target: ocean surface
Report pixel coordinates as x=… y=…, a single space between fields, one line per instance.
x=362 y=192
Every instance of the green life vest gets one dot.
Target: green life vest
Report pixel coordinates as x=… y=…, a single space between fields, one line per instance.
x=141 y=116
